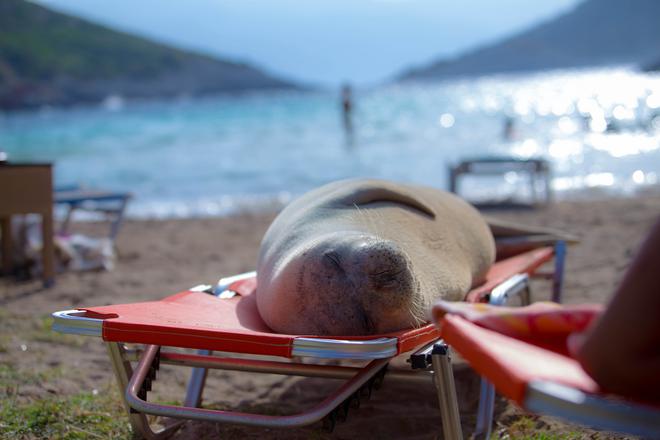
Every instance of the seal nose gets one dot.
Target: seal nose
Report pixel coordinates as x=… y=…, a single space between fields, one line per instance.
x=385 y=267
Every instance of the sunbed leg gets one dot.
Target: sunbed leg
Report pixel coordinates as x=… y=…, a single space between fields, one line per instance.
x=123 y=372
x=547 y=184
x=485 y=411
x=558 y=276
x=64 y=227
x=196 y=383
x=444 y=383
x=526 y=296
x=119 y=216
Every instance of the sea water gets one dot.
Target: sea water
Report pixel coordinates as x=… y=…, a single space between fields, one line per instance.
x=599 y=129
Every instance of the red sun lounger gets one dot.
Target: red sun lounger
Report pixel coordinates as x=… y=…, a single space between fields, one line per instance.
x=523 y=352
x=224 y=318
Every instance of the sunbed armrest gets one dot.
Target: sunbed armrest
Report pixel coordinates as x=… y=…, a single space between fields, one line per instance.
x=76 y=323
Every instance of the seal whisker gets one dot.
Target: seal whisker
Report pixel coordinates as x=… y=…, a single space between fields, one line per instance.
x=416 y=312
x=375 y=222
x=363 y=215
x=369 y=218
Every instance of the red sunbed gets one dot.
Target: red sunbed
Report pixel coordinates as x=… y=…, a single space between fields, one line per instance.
x=224 y=318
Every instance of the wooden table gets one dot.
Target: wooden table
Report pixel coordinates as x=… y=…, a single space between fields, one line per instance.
x=27 y=189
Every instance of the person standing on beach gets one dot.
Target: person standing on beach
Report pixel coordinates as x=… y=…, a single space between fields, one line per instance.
x=347 y=111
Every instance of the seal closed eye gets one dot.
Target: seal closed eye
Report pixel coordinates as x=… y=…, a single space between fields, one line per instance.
x=334 y=260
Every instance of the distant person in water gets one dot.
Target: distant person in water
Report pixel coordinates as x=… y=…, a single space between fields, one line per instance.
x=347 y=111
x=509 y=131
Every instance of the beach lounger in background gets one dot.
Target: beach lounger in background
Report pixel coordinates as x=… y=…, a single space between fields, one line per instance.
x=536 y=170
x=224 y=317
x=523 y=353
x=112 y=205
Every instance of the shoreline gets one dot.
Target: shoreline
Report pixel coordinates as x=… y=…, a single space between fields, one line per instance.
x=256 y=205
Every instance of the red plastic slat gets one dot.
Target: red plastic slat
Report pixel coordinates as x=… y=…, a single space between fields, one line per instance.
x=499 y=272
x=509 y=363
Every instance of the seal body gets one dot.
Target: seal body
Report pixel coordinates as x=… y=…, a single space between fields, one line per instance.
x=363 y=256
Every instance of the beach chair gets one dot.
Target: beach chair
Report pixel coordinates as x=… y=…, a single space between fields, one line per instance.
x=111 y=204
x=523 y=352
x=537 y=172
x=224 y=317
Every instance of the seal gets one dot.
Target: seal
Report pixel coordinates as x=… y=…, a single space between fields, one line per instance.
x=364 y=256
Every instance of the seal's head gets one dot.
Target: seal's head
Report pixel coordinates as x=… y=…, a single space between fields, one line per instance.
x=343 y=283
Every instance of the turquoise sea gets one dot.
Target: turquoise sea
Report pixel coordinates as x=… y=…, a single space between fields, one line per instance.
x=600 y=130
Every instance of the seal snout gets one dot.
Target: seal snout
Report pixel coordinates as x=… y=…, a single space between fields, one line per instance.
x=383 y=262
x=351 y=284
x=382 y=274
x=367 y=283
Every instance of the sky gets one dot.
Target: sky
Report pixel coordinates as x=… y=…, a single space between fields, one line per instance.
x=321 y=42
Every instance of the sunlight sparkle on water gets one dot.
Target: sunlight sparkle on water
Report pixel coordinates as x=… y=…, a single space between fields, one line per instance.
x=562 y=106
x=598 y=124
x=563 y=148
x=653 y=100
x=446 y=120
x=587 y=106
x=599 y=179
x=528 y=148
x=567 y=125
x=625 y=144
x=620 y=112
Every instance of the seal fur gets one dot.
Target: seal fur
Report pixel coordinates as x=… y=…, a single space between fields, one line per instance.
x=368 y=256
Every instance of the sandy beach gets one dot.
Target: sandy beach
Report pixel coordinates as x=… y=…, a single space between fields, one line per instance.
x=158 y=258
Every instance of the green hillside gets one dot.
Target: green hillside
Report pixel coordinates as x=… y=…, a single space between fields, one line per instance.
x=50 y=58
x=594 y=33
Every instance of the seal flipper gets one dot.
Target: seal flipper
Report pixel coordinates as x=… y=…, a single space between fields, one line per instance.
x=373 y=191
x=512 y=238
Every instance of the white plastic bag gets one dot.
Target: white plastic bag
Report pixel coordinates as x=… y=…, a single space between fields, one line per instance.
x=79 y=252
